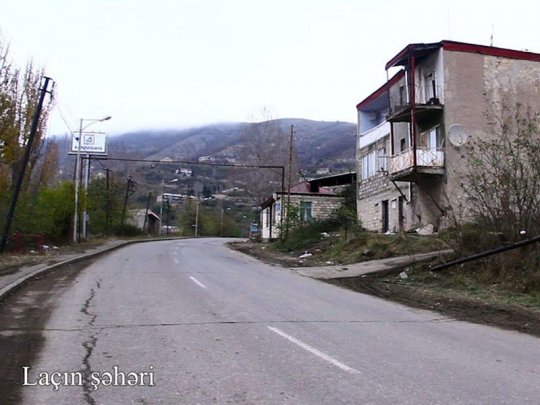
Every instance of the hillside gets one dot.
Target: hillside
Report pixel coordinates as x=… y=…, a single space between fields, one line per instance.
x=317 y=143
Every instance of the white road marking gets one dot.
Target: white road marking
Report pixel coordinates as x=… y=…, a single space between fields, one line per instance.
x=175 y=261
x=314 y=351
x=197 y=282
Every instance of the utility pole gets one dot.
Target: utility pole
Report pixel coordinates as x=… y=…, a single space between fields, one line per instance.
x=221 y=221
x=161 y=207
x=168 y=216
x=26 y=157
x=147 y=208
x=197 y=218
x=128 y=189
x=291 y=140
x=108 y=203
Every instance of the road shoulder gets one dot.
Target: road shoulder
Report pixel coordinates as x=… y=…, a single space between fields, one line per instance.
x=391 y=279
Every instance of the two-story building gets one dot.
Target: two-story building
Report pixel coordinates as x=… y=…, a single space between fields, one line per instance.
x=412 y=131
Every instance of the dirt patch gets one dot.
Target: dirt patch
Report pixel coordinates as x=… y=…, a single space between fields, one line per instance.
x=505 y=316
x=388 y=285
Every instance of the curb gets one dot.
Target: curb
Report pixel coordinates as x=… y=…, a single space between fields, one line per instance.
x=368 y=267
x=14 y=285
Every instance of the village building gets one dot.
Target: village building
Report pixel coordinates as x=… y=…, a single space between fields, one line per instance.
x=314 y=199
x=412 y=131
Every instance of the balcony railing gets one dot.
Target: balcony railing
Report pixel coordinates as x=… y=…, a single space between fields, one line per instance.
x=428 y=96
x=425 y=158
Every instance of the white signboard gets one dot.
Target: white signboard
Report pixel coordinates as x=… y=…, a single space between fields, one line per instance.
x=93 y=143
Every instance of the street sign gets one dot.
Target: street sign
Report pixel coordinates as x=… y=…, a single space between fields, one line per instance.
x=93 y=143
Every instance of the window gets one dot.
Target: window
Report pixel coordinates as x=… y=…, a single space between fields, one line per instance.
x=402 y=95
x=432 y=139
x=305 y=211
x=369 y=165
x=402 y=144
x=382 y=159
x=430 y=86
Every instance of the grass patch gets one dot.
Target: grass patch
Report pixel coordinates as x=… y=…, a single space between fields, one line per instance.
x=330 y=243
x=476 y=281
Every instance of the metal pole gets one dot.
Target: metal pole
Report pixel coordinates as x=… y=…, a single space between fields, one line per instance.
x=168 y=216
x=221 y=222
x=197 y=218
x=78 y=173
x=77 y=183
x=161 y=207
x=85 y=212
x=108 y=204
x=291 y=140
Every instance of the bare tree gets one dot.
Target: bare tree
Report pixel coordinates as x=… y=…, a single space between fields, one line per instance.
x=19 y=92
x=503 y=180
x=265 y=142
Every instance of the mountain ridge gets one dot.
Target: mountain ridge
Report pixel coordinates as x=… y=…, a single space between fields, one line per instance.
x=317 y=143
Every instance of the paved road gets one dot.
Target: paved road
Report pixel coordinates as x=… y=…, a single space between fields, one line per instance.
x=209 y=325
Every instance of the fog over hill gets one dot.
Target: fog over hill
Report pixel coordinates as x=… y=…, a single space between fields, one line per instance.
x=318 y=144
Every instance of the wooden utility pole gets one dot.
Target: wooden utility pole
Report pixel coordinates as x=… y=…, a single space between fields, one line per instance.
x=129 y=188
x=26 y=157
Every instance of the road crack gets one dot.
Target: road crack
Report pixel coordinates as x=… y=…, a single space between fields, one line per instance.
x=89 y=344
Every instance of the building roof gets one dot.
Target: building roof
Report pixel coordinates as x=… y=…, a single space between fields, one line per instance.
x=267 y=203
x=422 y=49
x=314 y=187
x=307 y=187
x=381 y=91
x=333 y=180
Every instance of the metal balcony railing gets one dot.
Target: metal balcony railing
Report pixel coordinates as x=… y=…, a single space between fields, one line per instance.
x=425 y=157
x=425 y=94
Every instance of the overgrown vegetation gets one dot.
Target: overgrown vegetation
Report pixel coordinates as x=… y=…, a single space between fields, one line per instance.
x=210 y=222
x=502 y=195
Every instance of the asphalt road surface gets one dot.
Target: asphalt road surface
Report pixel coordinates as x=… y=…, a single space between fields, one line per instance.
x=192 y=322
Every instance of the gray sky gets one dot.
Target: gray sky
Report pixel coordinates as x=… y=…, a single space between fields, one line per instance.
x=173 y=64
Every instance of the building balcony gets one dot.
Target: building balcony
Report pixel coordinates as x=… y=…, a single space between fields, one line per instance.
x=429 y=162
x=426 y=106
x=373 y=135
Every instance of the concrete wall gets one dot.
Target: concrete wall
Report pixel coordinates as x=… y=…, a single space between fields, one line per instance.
x=373 y=191
x=322 y=207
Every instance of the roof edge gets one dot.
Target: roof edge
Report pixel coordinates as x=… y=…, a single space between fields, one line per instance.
x=456 y=46
x=381 y=90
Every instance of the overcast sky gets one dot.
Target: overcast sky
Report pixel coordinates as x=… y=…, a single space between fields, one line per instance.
x=178 y=63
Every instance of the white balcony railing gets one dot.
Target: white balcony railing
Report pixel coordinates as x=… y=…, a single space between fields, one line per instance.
x=425 y=157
